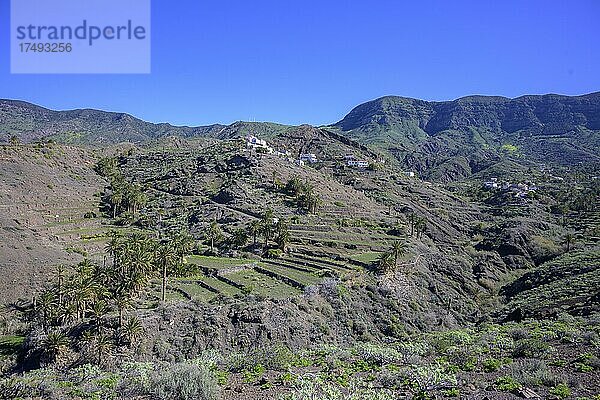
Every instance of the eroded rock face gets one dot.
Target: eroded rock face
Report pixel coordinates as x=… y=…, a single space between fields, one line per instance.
x=547 y=114
x=431 y=137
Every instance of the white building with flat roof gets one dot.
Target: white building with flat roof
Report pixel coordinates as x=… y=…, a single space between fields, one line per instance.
x=358 y=163
x=309 y=158
x=256 y=143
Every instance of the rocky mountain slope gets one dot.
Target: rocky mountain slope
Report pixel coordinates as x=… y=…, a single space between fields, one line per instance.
x=442 y=141
x=472 y=258
x=29 y=122
x=44 y=194
x=453 y=139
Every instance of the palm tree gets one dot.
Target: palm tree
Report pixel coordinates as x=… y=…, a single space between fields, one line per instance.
x=166 y=259
x=138 y=263
x=184 y=243
x=84 y=289
x=568 y=240
x=46 y=304
x=214 y=234
x=563 y=210
x=67 y=313
x=313 y=202
x=60 y=276
x=421 y=226
x=122 y=302
x=294 y=186
x=54 y=344
x=255 y=228
x=266 y=226
x=412 y=219
x=283 y=235
x=107 y=167
x=308 y=199
x=79 y=300
x=240 y=238
x=116 y=200
x=99 y=310
x=104 y=346
x=115 y=247
x=139 y=199
x=132 y=330
x=398 y=250
x=386 y=262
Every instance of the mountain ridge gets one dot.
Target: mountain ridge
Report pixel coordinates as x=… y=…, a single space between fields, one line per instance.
x=450 y=140
x=164 y=128
x=431 y=108
x=442 y=141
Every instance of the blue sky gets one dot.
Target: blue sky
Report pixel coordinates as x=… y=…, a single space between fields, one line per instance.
x=312 y=61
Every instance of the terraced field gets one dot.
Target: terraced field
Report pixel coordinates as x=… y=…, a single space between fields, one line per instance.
x=218 y=263
x=264 y=285
x=588 y=224
x=568 y=283
x=273 y=278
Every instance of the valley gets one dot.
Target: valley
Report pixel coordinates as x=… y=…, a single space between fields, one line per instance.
x=460 y=258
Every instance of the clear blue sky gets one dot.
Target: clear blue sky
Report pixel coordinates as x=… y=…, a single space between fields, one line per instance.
x=311 y=61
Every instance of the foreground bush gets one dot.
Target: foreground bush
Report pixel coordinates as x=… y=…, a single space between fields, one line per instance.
x=184 y=382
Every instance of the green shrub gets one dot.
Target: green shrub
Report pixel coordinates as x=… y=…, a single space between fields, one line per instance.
x=89 y=214
x=274 y=253
x=315 y=388
x=491 y=365
x=586 y=362
x=222 y=377
x=519 y=333
x=530 y=348
x=278 y=358
x=507 y=384
x=286 y=378
x=581 y=367
x=445 y=340
x=184 y=382
x=378 y=354
x=454 y=392
x=558 y=362
x=533 y=373
x=248 y=289
x=16 y=388
x=254 y=374
x=561 y=391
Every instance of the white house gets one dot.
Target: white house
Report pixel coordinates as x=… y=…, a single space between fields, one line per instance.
x=256 y=143
x=492 y=184
x=282 y=153
x=358 y=163
x=309 y=157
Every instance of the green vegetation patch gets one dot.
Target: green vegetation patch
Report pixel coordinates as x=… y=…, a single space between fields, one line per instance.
x=10 y=345
x=367 y=257
x=218 y=262
x=264 y=285
x=299 y=276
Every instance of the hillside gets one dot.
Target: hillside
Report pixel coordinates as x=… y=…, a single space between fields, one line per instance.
x=29 y=122
x=451 y=140
x=441 y=141
x=134 y=267
x=44 y=194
